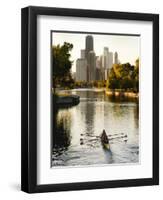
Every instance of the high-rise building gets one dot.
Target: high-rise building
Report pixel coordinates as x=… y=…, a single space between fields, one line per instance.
x=103 y=61
x=82 y=53
x=91 y=63
x=90 y=57
x=116 y=58
x=98 y=62
x=81 y=69
x=98 y=74
x=106 y=51
x=106 y=73
x=88 y=45
x=105 y=58
x=98 y=68
x=110 y=60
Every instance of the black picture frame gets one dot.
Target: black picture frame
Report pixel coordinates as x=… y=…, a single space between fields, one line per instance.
x=29 y=98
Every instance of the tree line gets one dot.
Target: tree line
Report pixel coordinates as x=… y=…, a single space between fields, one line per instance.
x=124 y=76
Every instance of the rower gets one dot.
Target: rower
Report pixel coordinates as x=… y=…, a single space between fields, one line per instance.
x=104 y=137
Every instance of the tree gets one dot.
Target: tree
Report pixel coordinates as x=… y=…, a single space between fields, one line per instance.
x=61 y=64
x=136 y=75
x=124 y=76
x=114 y=78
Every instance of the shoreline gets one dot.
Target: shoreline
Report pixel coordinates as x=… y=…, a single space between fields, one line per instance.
x=114 y=93
x=67 y=100
x=122 y=94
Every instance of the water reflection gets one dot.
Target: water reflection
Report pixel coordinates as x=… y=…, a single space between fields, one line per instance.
x=61 y=130
x=108 y=156
x=76 y=131
x=89 y=110
x=136 y=115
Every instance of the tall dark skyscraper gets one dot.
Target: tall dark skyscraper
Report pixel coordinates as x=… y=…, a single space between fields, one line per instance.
x=88 y=45
x=90 y=56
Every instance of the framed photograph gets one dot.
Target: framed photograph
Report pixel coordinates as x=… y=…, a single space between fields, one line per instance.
x=90 y=99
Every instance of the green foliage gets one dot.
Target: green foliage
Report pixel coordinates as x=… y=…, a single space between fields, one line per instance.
x=62 y=65
x=124 y=76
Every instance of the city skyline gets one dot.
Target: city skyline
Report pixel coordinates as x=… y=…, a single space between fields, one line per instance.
x=91 y=67
x=126 y=46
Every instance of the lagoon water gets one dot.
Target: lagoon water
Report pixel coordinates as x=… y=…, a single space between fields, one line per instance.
x=76 y=131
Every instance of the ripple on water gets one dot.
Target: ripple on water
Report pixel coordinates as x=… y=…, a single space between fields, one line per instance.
x=84 y=124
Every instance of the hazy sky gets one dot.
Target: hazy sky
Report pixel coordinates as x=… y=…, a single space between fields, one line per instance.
x=128 y=47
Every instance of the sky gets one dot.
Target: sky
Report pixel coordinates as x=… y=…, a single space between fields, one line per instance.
x=127 y=47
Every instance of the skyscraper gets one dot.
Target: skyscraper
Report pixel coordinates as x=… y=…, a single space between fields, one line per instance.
x=116 y=58
x=81 y=69
x=105 y=58
x=91 y=66
x=82 y=53
x=110 y=60
x=98 y=62
x=90 y=57
x=88 y=45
